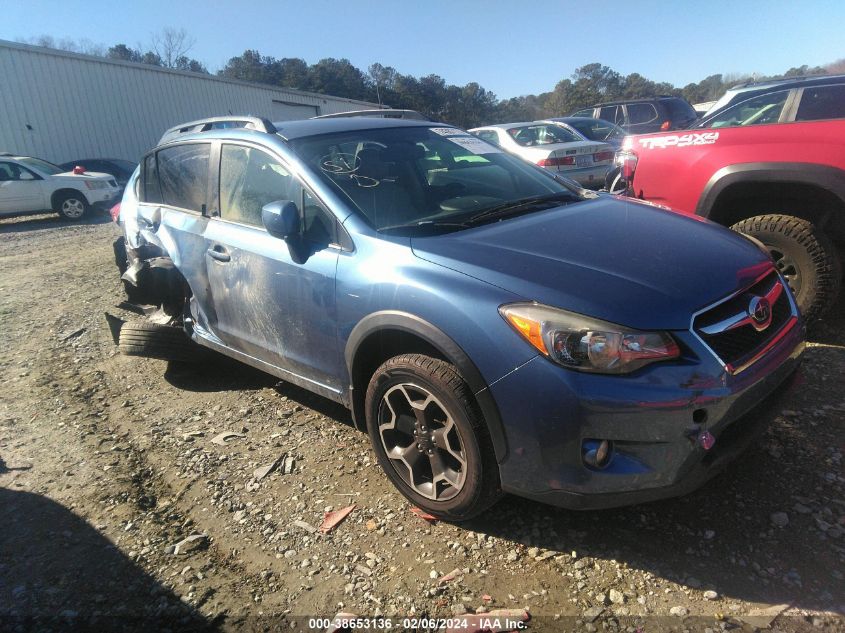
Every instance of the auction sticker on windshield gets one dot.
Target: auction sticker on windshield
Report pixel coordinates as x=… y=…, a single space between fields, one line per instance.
x=448 y=131
x=474 y=145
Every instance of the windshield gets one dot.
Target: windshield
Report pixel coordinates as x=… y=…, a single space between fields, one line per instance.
x=41 y=166
x=126 y=165
x=419 y=175
x=533 y=135
x=598 y=129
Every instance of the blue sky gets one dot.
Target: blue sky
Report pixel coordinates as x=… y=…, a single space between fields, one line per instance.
x=511 y=48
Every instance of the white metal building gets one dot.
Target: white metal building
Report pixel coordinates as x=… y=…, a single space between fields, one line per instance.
x=64 y=106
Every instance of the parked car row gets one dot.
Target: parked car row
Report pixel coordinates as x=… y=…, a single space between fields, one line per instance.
x=494 y=327
x=554 y=146
x=30 y=184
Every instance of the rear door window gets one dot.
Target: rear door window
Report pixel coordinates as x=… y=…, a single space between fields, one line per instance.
x=183 y=175
x=822 y=102
x=641 y=113
x=679 y=110
x=613 y=114
x=151 y=190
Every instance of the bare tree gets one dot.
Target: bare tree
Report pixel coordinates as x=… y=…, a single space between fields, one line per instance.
x=171 y=45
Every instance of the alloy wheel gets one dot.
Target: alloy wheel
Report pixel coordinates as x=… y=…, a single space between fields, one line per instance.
x=422 y=442
x=73 y=208
x=790 y=271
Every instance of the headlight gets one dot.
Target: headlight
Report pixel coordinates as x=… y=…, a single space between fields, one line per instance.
x=587 y=344
x=96 y=184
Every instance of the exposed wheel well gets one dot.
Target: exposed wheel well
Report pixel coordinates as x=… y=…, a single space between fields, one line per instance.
x=375 y=350
x=814 y=203
x=59 y=193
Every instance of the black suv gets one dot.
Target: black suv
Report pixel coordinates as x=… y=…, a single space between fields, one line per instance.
x=641 y=116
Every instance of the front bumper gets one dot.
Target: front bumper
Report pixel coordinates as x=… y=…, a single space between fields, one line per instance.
x=103 y=199
x=652 y=418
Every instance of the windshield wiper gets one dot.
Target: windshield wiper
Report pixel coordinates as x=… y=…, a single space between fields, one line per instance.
x=525 y=205
x=422 y=224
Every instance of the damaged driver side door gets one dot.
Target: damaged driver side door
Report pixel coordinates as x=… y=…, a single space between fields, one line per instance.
x=274 y=299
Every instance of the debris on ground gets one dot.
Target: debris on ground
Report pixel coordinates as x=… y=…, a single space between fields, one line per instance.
x=223 y=437
x=425 y=516
x=72 y=334
x=449 y=577
x=331 y=519
x=263 y=471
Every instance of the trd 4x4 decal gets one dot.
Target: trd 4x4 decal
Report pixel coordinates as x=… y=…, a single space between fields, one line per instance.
x=679 y=140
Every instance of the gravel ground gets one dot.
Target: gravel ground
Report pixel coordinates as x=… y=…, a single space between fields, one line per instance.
x=122 y=508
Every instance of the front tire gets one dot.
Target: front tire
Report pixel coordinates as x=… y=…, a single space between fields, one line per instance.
x=804 y=255
x=71 y=206
x=429 y=437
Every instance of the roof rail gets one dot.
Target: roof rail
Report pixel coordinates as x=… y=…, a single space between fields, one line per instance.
x=203 y=125
x=762 y=82
x=382 y=114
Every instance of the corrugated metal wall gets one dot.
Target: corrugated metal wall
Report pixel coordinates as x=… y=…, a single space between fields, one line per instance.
x=62 y=106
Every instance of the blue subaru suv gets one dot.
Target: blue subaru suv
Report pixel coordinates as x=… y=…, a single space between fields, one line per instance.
x=494 y=328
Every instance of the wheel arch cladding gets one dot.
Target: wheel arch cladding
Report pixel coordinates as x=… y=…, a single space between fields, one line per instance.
x=824 y=185
x=382 y=335
x=58 y=194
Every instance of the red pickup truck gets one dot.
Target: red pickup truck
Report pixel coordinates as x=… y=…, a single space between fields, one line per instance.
x=763 y=165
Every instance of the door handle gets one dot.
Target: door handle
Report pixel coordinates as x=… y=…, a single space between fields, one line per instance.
x=219 y=253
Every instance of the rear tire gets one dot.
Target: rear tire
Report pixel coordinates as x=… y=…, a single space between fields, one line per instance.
x=153 y=340
x=804 y=255
x=449 y=469
x=71 y=206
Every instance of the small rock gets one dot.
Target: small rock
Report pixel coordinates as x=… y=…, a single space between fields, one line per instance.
x=678 y=611
x=190 y=544
x=459 y=608
x=305 y=526
x=592 y=614
x=780 y=519
x=711 y=595
x=617 y=597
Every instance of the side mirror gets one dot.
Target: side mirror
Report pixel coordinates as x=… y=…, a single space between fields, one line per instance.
x=281 y=219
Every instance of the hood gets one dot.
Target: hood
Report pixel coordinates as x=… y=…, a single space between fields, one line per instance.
x=611 y=258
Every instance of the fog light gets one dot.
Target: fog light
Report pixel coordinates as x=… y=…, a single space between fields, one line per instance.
x=706 y=440
x=596 y=453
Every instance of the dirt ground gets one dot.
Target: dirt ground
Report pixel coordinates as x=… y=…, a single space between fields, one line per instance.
x=107 y=462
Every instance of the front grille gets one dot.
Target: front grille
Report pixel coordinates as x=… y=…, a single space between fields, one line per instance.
x=728 y=330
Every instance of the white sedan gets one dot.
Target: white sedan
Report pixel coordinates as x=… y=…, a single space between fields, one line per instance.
x=30 y=184
x=554 y=147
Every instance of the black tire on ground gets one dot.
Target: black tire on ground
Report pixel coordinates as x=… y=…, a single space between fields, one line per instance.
x=165 y=342
x=805 y=256
x=120 y=258
x=72 y=206
x=467 y=436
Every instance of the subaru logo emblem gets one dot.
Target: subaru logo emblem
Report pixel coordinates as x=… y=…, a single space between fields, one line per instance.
x=760 y=311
